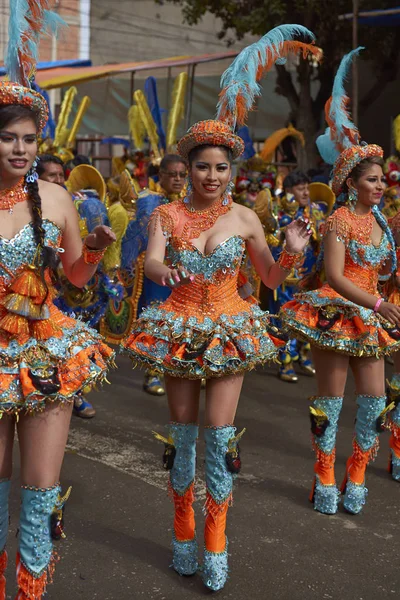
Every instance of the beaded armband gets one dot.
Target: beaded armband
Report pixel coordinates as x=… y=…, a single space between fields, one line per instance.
x=91 y=256
x=288 y=261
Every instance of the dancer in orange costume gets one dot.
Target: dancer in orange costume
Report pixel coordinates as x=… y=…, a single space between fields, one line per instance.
x=204 y=329
x=346 y=321
x=45 y=356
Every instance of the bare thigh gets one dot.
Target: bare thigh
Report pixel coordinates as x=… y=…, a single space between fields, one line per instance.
x=222 y=397
x=183 y=399
x=7 y=429
x=331 y=371
x=369 y=375
x=42 y=441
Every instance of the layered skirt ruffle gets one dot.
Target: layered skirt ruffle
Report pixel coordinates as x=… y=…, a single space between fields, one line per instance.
x=327 y=320
x=195 y=347
x=53 y=368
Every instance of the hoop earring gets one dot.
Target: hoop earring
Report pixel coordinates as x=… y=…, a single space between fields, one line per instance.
x=352 y=196
x=32 y=174
x=189 y=190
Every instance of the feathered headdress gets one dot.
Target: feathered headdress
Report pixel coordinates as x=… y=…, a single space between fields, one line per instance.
x=29 y=19
x=239 y=82
x=177 y=108
x=241 y=88
x=341 y=144
x=150 y=90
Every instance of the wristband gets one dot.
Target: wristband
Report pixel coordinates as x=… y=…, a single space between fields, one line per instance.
x=288 y=261
x=377 y=305
x=91 y=256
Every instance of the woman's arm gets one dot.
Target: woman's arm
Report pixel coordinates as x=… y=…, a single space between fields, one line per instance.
x=334 y=255
x=75 y=268
x=154 y=267
x=270 y=272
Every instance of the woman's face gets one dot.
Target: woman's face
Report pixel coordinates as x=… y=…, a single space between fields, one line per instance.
x=18 y=148
x=370 y=186
x=211 y=173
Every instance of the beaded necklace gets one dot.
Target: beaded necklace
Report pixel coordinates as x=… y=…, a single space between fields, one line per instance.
x=202 y=220
x=11 y=196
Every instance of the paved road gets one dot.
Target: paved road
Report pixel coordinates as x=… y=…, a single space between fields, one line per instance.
x=119 y=517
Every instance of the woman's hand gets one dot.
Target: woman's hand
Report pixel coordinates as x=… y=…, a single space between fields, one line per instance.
x=173 y=278
x=390 y=311
x=100 y=238
x=297 y=235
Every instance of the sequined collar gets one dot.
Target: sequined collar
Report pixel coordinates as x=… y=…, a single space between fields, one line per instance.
x=11 y=196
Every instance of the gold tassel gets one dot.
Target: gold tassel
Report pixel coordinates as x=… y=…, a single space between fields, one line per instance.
x=147 y=119
x=84 y=105
x=163 y=439
x=136 y=126
x=233 y=441
x=61 y=134
x=177 y=108
x=271 y=143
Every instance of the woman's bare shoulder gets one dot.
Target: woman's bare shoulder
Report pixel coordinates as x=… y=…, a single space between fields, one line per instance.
x=56 y=201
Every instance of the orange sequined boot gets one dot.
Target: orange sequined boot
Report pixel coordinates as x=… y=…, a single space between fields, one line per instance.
x=222 y=464
x=41 y=522
x=4 y=494
x=365 y=446
x=180 y=459
x=324 y=415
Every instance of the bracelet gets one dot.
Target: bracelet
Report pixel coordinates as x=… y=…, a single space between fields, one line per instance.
x=289 y=261
x=377 y=305
x=91 y=256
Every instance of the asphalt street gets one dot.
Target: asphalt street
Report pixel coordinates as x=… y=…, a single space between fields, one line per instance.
x=119 y=516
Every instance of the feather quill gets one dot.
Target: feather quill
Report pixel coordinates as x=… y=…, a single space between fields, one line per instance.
x=239 y=82
x=150 y=90
x=177 y=108
x=136 y=127
x=341 y=132
x=147 y=119
x=61 y=135
x=28 y=21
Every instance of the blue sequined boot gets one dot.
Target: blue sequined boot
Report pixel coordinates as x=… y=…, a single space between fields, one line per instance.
x=369 y=422
x=4 y=494
x=394 y=426
x=222 y=464
x=41 y=522
x=180 y=459
x=324 y=415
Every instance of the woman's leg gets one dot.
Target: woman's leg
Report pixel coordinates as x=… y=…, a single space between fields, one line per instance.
x=222 y=462
x=394 y=423
x=42 y=438
x=7 y=427
x=180 y=458
x=331 y=371
x=369 y=375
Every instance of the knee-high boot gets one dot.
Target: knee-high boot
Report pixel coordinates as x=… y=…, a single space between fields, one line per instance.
x=41 y=522
x=371 y=410
x=222 y=463
x=394 y=426
x=324 y=414
x=4 y=494
x=180 y=458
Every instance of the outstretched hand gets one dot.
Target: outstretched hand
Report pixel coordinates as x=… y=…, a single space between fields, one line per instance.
x=177 y=277
x=100 y=238
x=297 y=235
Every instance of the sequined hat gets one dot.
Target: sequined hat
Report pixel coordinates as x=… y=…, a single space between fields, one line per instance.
x=214 y=133
x=348 y=159
x=15 y=93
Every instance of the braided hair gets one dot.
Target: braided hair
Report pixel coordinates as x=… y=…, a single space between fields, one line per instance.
x=342 y=200
x=46 y=257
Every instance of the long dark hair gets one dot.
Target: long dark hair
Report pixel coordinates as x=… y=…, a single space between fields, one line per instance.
x=46 y=257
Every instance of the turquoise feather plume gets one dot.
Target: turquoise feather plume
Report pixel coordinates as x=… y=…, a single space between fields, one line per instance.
x=239 y=82
x=341 y=133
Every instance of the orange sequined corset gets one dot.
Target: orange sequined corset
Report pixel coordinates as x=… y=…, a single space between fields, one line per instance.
x=363 y=260
x=214 y=290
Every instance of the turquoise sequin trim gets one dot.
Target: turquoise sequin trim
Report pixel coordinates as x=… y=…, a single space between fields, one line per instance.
x=215 y=569
x=355 y=497
x=4 y=495
x=326 y=498
x=185 y=556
